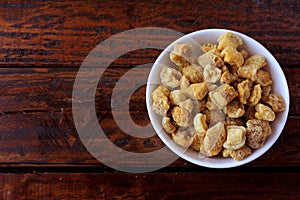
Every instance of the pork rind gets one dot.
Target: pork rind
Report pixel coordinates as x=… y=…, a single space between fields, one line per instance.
x=181 y=116
x=182 y=54
x=244 y=54
x=227 y=76
x=213 y=140
x=209 y=47
x=256 y=133
x=168 y=126
x=184 y=83
x=214 y=116
x=236 y=137
x=160 y=101
x=244 y=90
x=211 y=74
x=238 y=154
x=183 y=138
x=256 y=62
x=200 y=123
x=193 y=74
x=176 y=96
x=234 y=109
x=223 y=95
x=276 y=102
x=264 y=112
x=232 y=56
x=247 y=72
x=263 y=78
x=197 y=90
x=229 y=40
x=170 y=77
x=234 y=121
x=255 y=95
x=187 y=105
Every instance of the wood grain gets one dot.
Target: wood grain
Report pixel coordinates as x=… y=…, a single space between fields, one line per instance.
x=62 y=33
x=150 y=186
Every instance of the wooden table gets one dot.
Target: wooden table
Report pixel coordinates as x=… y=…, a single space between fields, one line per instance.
x=43 y=44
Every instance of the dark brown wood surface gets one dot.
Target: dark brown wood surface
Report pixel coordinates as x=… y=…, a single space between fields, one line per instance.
x=43 y=44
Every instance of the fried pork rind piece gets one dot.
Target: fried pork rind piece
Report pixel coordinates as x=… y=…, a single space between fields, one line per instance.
x=238 y=154
x=211 y=74
x=193 y=73
x=200 y=123
x=234 y=109
x=209 y=47
x=182 y=117
x=229 y=40
x=160 y=101
x=255 y=95
x=266 y=91
x=182 y=54
x=210 y=58
x=244 y=90
x=247 y=72
x=183 y=138
x=170 y=77
x=256 y=62
x=223 y=95
x=263 y=78
x=168 y=126
x=176 y=96
x=232 y=56
x=187 y=105
x=213 y=140
x=214 y=116
x=276 y=102
x=256 y=132
x=264 y=112
x=228 y=77
x=236 y=137
x=244 y=54
x=184 y=83
x=197 y=90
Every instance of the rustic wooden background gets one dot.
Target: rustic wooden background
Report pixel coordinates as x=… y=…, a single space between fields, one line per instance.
x=42 y=45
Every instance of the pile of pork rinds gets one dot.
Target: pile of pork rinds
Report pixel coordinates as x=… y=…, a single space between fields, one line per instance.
x=218 y=103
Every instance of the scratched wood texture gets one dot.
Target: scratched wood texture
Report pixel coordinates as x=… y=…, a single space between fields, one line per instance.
x=43 y=44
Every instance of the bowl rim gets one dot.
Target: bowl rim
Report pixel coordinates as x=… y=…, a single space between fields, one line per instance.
x=201 y=161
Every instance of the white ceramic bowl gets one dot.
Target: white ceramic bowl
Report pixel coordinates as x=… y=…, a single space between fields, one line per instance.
x=252 y=47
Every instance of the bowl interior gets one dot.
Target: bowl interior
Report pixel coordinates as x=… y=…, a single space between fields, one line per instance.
x=252 y=47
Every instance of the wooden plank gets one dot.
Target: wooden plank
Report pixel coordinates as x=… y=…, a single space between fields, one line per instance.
x=54 y=34
x=150 y=186
x=51 y=138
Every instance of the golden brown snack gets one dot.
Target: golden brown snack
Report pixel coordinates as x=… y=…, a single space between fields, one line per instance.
x=197 y=90
x=234 y=109
x=170 y=77
x=255 y=95
x=256 y=62
x=264 y=112
x=263 y=78
x=200 y=123
x=209 y=47
x=234 y=121
x=214 y=116
x=182 y=54
x=213 y=140
x=244 y=90
x=182 y=117
x=176 y=96
x=256 y=132
x=184 y=83
x=236 y=137
x=229 y=40
x=232 y=56
x=228 y=77
x=238 y=154
x=223 y=95
x=193 y=74
x=183 y=138
x=187 y=105
x=211 y=74
x=168 y=126
x=276 y=102
x=160 y=101
x=244 y=54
